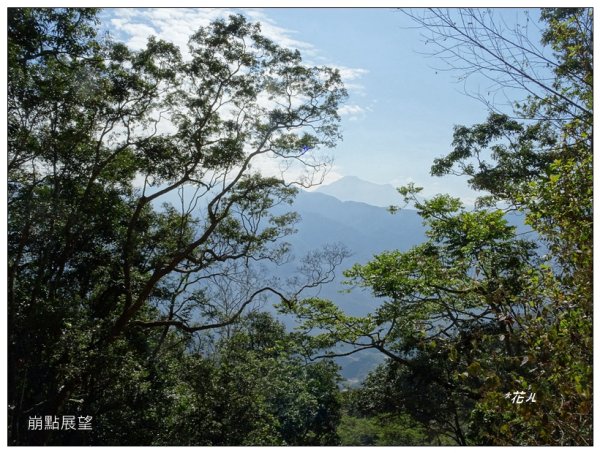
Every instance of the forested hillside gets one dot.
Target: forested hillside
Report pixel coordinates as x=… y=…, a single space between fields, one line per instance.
x=143 y=237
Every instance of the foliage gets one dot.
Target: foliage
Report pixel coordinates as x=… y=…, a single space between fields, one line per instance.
x=556 y=196
x=445 y=302
x=255 y=391
x=375 y=414
x=136 y=208
x=137 y=224
x=380 y=430
x=478 y=311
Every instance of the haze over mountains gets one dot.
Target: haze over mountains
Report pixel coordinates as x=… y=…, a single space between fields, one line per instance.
x=364 y=229
x=352 y=212
x=352 y=188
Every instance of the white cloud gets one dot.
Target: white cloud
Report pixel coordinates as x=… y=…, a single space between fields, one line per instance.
x=352 y=111
x=281 y=36
x=351 y=77
x=350 y=73
x=178 y=24
x=173 y=25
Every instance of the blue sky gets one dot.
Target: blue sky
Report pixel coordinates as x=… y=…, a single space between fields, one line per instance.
x=401 y=110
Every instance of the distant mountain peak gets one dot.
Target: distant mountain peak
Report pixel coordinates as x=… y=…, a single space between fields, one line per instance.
x=352 y=188
x=352 y=179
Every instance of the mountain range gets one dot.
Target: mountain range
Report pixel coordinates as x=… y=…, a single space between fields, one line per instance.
x=338 y=213
x=351 y=188
x=366 y=230
x=351 y=212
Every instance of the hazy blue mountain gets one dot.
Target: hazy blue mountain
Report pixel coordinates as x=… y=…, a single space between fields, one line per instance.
x=351 y=188
x=366 y=231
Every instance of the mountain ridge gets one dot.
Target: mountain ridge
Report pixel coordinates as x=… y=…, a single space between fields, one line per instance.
x=353 y=188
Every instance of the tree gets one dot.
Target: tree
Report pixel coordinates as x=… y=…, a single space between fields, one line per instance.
x=501 y=313
x=393 y=406
x=542 y=165
x=442 y=301
x=255 y=390
x=548 y=113
x=99 y=136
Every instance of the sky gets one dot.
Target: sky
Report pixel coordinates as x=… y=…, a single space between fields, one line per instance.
x=401 y=108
